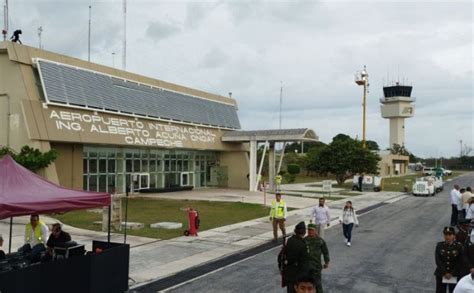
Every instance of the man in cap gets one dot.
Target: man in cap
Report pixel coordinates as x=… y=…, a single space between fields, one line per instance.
x=316 y=249
x=449 y=257
x=278 y=214
x=296 y=257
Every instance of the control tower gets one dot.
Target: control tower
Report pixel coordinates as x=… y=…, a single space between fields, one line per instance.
x=397 y=106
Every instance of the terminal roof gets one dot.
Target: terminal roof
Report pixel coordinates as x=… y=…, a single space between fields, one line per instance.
x=276 y=135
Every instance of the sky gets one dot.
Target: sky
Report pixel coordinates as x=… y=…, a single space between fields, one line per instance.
x=311 y=49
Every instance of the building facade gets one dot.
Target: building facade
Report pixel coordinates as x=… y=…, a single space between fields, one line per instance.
x=113 y=128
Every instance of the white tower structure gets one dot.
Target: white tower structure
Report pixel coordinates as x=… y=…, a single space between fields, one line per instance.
x=397 y=106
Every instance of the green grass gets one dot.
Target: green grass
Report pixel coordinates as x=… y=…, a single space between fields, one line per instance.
x=148 y=211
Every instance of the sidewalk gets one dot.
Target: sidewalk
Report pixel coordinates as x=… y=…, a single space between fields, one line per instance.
x=153 y=259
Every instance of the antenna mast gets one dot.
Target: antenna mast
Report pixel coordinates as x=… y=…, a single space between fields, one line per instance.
x=281 y=100
x=40 y=30
x=89 y=36
x=362 y=78
x=5 y=20
x=124 y=45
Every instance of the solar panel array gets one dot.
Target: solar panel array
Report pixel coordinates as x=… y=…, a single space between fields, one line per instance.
x=83 y=88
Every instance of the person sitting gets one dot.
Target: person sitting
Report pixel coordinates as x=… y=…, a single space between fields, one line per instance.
x=2 y=254
x=36 y=235
x=58 y=238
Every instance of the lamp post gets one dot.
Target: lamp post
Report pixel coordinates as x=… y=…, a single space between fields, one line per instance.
x=362 y=78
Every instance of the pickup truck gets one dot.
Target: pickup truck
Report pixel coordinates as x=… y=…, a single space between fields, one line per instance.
x=426 y=186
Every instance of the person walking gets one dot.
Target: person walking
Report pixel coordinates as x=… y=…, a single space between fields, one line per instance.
x=470 y=209
x=278 y=214
x=296 y=258
x=461 y=211
x=348 y=220
x=449 y=256
x=278 y=180
x=465 y=198
x=321 y=216
x=317 y=248
x=455 y=196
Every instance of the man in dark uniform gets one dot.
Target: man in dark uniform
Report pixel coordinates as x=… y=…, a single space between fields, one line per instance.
x=296 y=257
x=449 y=257
x=316 y=249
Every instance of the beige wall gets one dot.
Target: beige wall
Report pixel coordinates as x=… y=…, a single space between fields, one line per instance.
x=238 y=166
x=69 y=165
x=387 y=165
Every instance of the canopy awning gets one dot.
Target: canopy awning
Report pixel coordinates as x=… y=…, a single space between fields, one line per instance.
x=273 y=135
x=23 y=192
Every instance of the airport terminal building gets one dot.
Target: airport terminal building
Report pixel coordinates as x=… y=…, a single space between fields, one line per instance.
x=108 y=125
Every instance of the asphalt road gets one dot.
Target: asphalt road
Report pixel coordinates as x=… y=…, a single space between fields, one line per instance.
x=392 y=251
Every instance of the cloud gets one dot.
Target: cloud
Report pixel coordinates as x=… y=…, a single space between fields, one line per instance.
x=214 y=58
x=158 y=31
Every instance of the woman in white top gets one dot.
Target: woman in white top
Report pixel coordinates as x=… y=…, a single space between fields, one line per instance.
x=348 y=219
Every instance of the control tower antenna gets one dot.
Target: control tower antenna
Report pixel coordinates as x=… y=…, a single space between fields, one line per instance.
x=362 y=78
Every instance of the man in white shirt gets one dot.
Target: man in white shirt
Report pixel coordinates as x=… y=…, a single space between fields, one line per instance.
x=36 y=236
x=466 y=284
x=321 y=217
x=455 y=198
x=467 y=195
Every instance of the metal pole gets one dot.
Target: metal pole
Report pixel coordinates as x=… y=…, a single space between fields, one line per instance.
x=109 y=212
x=5 y=20
x=364 y=113
x=261 y=165
x=126 y=211
x=10 y=240
x=281 y=100
x=89 y=36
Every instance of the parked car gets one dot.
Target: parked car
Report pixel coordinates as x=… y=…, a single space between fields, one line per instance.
x=428 y=171
x=369 y=183
x=426 y=186
x=445 y=172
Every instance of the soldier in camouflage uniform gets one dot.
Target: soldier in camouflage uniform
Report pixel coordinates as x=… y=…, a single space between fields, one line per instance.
x=296 y=258
x=316 y=248
x=449 y=257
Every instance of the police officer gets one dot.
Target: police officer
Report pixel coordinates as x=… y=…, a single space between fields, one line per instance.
x=449 y=258
x=278 y=180
x=296 y=257
x=316 y=248
x=278 y=214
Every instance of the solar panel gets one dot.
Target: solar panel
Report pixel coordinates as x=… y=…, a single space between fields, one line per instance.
x=84 y=88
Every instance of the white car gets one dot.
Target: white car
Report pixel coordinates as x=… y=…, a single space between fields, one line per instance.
x=447 y=172
x=427 y=186
x=428 y=171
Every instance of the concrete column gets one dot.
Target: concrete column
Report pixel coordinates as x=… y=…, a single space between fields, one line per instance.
x=253 y=165
x=271 y=166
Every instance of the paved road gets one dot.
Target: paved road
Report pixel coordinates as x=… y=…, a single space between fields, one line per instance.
x=392 y=251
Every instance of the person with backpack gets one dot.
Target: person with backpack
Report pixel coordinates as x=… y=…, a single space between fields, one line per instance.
x=317 y=248
x=293 y=258
x=348 y=219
